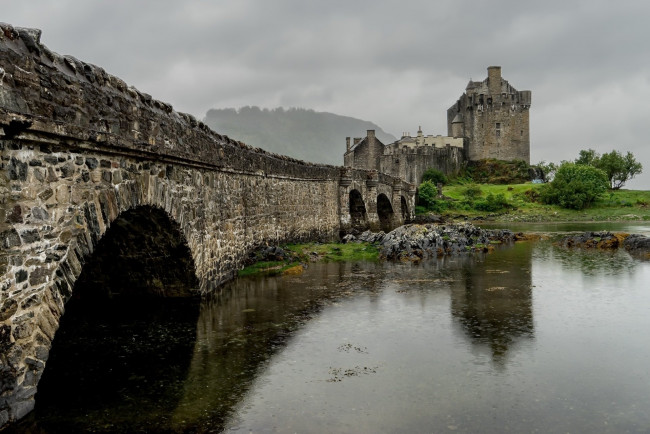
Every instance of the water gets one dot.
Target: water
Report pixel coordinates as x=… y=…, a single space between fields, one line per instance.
x=527 y=338
x=631 y=227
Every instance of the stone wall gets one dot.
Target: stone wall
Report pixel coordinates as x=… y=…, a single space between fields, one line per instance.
x=81 y=151
x=411 y=163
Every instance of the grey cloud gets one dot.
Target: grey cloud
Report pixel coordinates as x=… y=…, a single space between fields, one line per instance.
x=397 y=63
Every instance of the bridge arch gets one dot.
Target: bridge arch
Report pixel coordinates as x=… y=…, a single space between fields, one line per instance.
x=385 y=212
x=144 y=253
x=358 y=213
x=139 y=253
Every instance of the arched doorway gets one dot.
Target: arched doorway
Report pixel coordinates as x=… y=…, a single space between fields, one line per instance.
x=385 y=213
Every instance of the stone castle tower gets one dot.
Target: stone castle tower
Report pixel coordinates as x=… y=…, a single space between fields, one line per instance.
x=493 y=119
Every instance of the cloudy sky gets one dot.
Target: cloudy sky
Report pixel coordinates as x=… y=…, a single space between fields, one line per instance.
x=400 y=64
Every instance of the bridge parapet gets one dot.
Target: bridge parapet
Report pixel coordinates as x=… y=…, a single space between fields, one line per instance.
x=83 y=155
x=65 y=97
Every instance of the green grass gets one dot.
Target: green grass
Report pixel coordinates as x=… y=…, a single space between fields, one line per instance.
x=269 y=268
x=614 y=205
x=336 y=251
x=313 y=251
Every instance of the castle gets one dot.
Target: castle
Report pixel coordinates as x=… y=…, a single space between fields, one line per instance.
x=490 y=120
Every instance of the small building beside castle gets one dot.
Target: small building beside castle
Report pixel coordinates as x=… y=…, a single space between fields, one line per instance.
x=489 y=121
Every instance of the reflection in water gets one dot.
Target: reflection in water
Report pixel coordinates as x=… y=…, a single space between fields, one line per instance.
x=242 y=327
x=116 y=366
x=526 y=338
x=492 y=299
x=591 y=262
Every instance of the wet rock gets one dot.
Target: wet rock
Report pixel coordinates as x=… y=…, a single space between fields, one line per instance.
x=428 y=218
x=371 y=237
x=270 y=253
x=590 y=240
x=415 y=242
x=638 y=245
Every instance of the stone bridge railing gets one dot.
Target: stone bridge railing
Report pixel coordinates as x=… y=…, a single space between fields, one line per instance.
x=83 y=156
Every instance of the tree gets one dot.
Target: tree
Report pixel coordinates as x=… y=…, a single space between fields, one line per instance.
x=575 y=186
x=619 y=168
x=588 y=157
x=435 y=176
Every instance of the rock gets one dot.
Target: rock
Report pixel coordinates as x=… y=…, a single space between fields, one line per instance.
x=349 y=238
x=638 y=245
x=415 y=242
x=428 y=218
x=599 y=240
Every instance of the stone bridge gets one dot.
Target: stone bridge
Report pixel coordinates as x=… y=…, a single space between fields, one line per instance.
x=89 y=163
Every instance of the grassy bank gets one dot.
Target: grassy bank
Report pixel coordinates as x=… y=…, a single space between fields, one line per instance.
x=616 y=205
x=312 y=252
x=335 y=251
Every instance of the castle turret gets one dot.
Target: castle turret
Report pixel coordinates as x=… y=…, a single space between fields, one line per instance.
x=494 y=79
x=458 y=126
x=493 y=118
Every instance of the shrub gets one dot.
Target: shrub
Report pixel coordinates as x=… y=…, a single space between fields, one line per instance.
x=427 y=198
x=575 y=186
x=531 y=195
x=472 y=191
x=492 y=203
x=427 y=193
x=435 y=176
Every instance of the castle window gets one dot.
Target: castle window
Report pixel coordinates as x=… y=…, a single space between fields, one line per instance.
x=498 y=129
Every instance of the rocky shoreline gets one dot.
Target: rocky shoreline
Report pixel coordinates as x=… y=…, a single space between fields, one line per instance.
x=414 y=242
x=635 y=244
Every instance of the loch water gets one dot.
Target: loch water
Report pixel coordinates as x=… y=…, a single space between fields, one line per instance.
x=528 y=338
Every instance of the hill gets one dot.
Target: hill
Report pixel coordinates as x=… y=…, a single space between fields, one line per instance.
x=305 y=134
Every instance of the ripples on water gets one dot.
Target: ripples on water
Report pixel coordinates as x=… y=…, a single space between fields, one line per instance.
x=530 y=337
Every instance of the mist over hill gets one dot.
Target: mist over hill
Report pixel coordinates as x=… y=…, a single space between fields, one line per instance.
x=305 y=134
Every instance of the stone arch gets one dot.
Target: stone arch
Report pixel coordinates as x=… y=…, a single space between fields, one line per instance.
x=144 y=249
x=385 y=212
x=140 y=254
x=405 y=210
x=358 y=213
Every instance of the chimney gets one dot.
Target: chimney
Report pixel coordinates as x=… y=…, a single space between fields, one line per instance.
x=371 y=134
x=357 y=140
x=347 y=144
x=494 y=79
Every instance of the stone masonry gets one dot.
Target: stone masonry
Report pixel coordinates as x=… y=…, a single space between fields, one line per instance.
x=493 y=117
x=81 y=151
